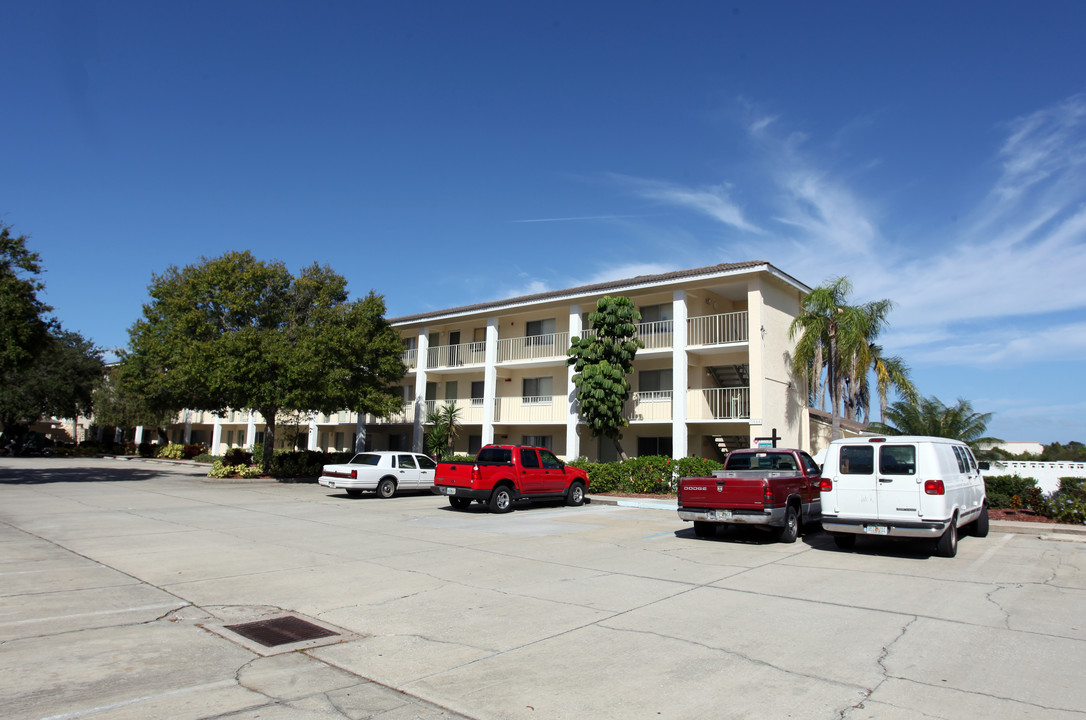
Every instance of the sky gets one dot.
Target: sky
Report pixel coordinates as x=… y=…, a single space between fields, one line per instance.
x=448 y=153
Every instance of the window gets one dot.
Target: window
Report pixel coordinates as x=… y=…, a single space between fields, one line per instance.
x=654 y=446
x=657 y=382
x=425 y=463
x=810 y=465
x=496 y=455
x=897 y=460
x=366 y=459
x=657 y=317
x=538 y=391
x=451 y=389
x=474 y=443
x=339 y=441
x=529 y=458
x=540 y=332
x=259 y=438
x=550 y=462
x=857 y=460
x=477 y=392
x=229 y=438
x=407 y=461
x=963 y=464
x=543 y=441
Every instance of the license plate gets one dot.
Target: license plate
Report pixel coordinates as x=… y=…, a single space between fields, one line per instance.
x=723 y=514
x=876 y=529
x=450 y=491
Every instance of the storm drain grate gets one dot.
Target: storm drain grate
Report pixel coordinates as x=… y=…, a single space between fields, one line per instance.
x=280 y=631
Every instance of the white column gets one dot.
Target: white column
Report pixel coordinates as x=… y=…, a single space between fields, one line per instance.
x=311 y=443
x=490 y=380
x=250 y=433
x=420 y=389
x=680 y=380
x=188 y=427
x=573 y=438
x=360 y=433
x=216 y=436
x=138 y=437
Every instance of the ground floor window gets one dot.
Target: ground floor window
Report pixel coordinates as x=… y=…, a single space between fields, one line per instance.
x=543 y=441
x=654 y=446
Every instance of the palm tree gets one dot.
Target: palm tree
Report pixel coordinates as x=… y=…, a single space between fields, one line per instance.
x=890 y=373
x=930 y=416
x=838 y=338
x=445 y=420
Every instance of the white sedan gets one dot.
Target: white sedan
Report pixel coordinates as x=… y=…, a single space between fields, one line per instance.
x=384 y=471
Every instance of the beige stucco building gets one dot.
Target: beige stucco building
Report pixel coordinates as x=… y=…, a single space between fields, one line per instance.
x=713 y=373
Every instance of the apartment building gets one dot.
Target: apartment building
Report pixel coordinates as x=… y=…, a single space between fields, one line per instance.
x=713 y=374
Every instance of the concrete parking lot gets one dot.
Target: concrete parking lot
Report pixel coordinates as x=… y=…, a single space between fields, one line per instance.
x=118 y=579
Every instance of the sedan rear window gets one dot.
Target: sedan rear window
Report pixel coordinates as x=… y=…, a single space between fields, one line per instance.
x=366 y=459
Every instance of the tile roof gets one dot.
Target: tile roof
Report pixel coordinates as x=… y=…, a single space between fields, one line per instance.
x=639 y=280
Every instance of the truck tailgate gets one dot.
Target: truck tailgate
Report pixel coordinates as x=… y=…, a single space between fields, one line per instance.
x=743 y=493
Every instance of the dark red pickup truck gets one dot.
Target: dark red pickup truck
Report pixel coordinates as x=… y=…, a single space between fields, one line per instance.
x=503 y=474
x=771 y=488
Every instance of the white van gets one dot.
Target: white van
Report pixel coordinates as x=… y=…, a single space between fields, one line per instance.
x=903 y=486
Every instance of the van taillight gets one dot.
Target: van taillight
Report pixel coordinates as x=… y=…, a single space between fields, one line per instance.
x=934 y=487
x=826 y=485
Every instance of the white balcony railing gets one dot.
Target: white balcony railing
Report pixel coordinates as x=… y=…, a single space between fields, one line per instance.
x=533 y=409
x=657 y=335
x=649 y=406
x=533 y=347
x=718 y=404
x=717 y=329
x=410 y=358
x=472 y=353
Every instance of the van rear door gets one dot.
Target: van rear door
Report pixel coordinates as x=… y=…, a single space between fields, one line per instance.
x=899 y=490
x=854 y=484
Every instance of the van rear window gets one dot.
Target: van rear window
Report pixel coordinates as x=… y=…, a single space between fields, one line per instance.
x=857 y=460
x=897 y=460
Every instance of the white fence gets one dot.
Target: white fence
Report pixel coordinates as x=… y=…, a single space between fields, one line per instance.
x=1047 y=474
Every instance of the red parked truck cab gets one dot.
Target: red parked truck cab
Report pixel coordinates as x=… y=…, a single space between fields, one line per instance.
x=503 y=474
x=773 y=488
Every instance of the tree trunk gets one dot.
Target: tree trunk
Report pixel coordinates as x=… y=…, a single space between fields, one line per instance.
x=618 y=448
x=269 y=439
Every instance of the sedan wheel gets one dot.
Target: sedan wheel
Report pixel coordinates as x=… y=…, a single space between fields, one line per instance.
x=386 y=488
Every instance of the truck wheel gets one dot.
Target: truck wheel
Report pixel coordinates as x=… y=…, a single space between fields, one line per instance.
x=980 y=525
x=845 y=541
x=460 y=503
x=704 y=529
x=947 y=544
x=386 y=488
x=790 y=531
x=575 y=494
x=501 y=500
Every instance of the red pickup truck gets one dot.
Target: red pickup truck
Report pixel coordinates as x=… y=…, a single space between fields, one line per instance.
x=503 y=474
x=772 y=488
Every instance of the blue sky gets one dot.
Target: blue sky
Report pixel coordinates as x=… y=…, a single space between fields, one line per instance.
x=446 y=153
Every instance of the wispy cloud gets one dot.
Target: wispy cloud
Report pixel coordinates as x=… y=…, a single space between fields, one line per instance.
x=713 y=201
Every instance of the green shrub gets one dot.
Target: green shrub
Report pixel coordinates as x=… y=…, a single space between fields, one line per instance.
x=697 y=467
x=172 y=451
x=238 y=456
x=1068 y=504
x=247 y=471
x=290 y=464
x=219 y=470
x=205 y=458
x=191 y=451
x=1002 y=489
x=602 y=477
x=145 y=450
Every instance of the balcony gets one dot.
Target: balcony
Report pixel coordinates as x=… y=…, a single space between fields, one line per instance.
x=533 y=347
x=451 y=356
x=410 y=358
x=531 y=409
x=718 y=404
x=653 y=406
x=722 y=329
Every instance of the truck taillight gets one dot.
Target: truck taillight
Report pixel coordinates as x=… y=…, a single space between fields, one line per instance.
x=768 y=496
x=934 y=487
x=826 y=485
x=475 y=473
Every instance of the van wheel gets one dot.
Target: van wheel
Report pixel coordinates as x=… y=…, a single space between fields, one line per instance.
x=501 y=500
x=947 y=544
x=844 y=541
x=575 y=495
x=980 y=525
x=790 y=531
x=386 y=488
x=704 y=529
